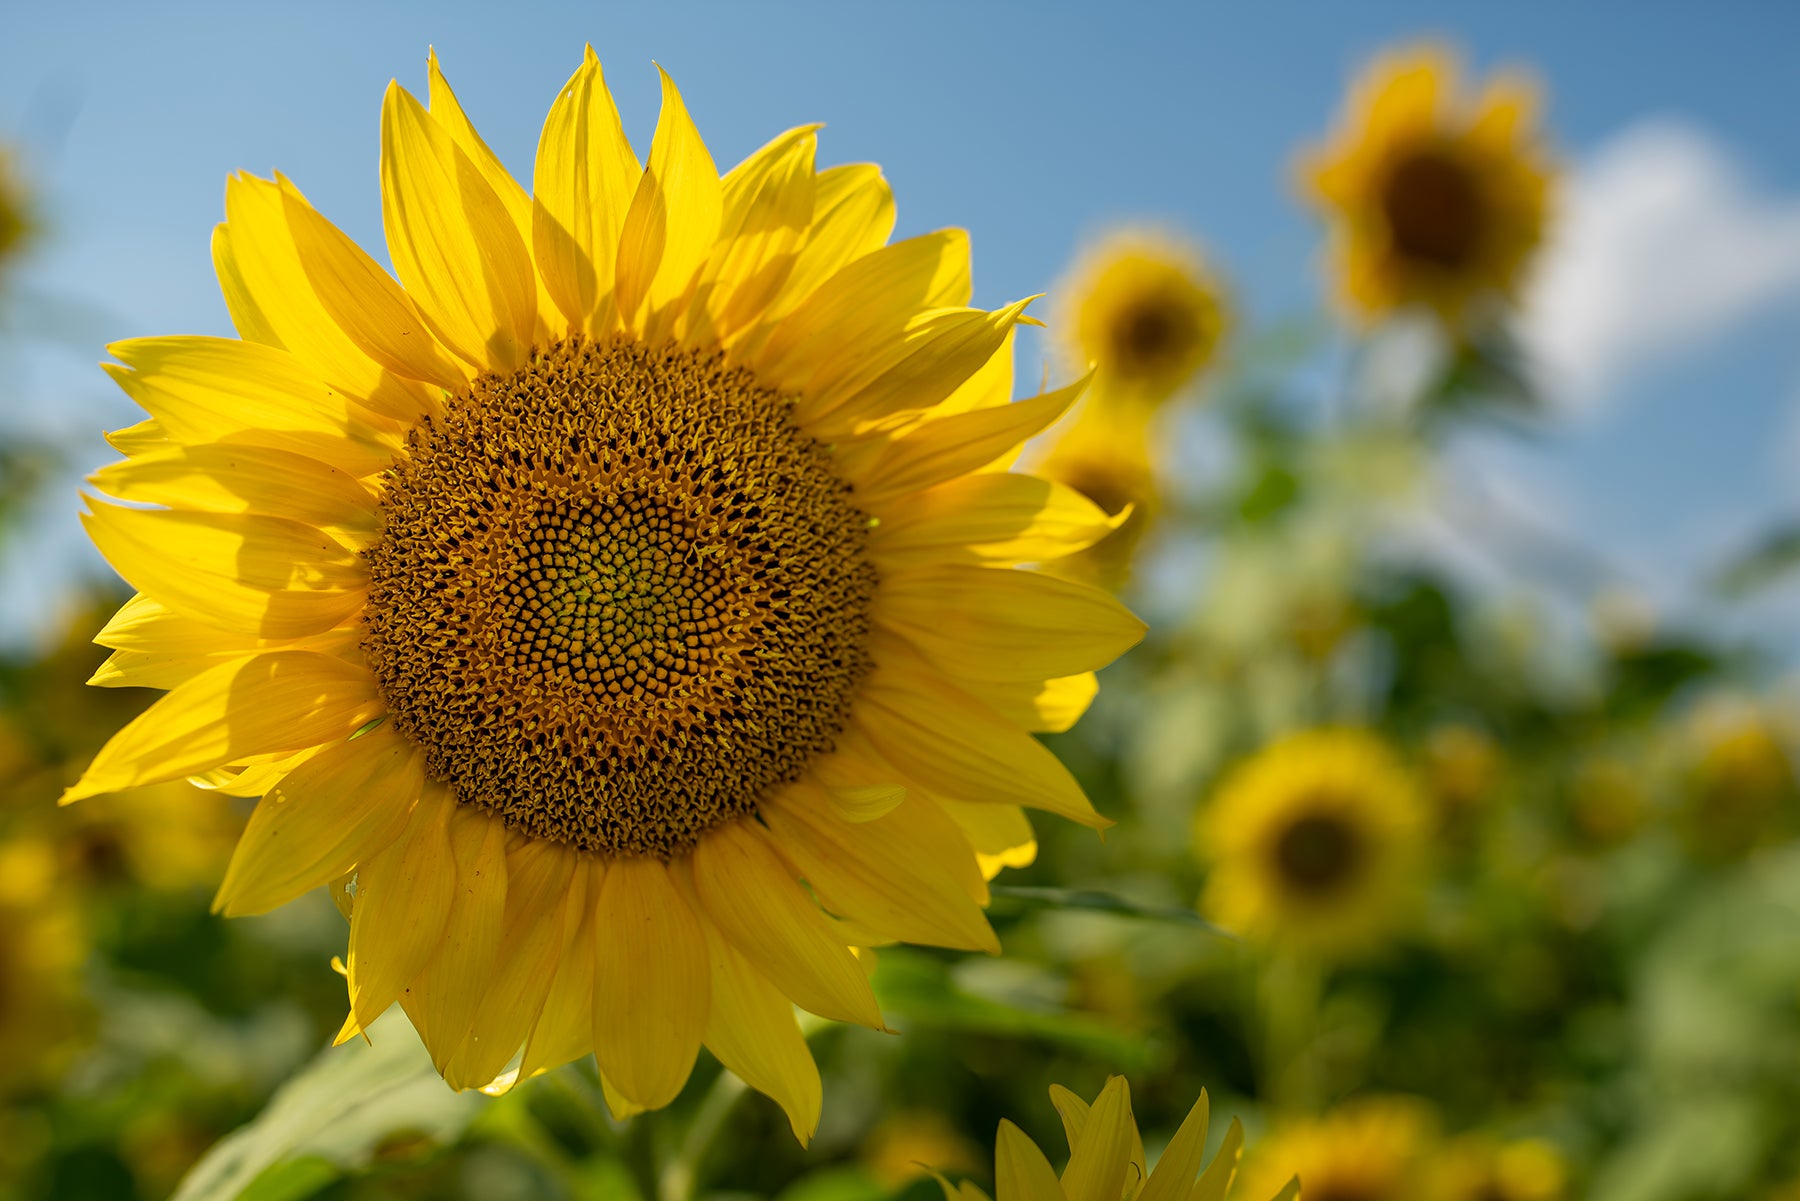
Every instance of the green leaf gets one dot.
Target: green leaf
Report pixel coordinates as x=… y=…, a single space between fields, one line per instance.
x=919 y=990
x=352 y=1105
x=1103 y=902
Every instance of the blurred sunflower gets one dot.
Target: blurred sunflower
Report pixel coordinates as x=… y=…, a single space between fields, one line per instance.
x=41 y=950
x=1145 y=311
x=1106 y=1158
x=1477 y=1168
x=1371 y=1149
x=1104 y=454
x=15 y=208
x=1740 y=787
x=1314 y=843
x=1462 y=765
x=1432 y=201
x=618 y=611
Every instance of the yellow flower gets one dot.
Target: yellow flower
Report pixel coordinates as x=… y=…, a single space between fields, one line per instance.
x=41 y=949
x=1106 y=1158
x=1741 y=789
x=614 y=610
x=1104 y=454
x=1314 y=843
x=1367 y=1150
x=1145 y=310
x=1462 y=765
x=15 y=220
x=1432 y=200
x=1477 y=1168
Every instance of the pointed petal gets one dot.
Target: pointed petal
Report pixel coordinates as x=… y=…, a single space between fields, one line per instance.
x=563 y=1028
x=751 y=1028
x=447 y=995
x=853 y=214
x=1215 y=1182
x=904 y=875
x=673 y=220
x=321 y=820
x=1099 y=1158
x=753 y=899
x=1180 y=1163
x=994 y=518
x=585 y=178
x=768 y=207
x=652 y=982
x=282 y=701
x=403 y=897
x=1001 y=834
x=1021 y=1173
x=984 y=623
x=264 y=576
x=225 y=478
x=452 y=240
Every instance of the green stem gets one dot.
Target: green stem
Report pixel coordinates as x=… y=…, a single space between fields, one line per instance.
x=682 y=1173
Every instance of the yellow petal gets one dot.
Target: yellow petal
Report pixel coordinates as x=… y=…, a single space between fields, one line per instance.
x=321 y=820
x=143 y=438
x=272 y=300
x=1215 y=1182
x=987 y=623
x=1181 y=1160
x=904 y=875
x=365 y=302
x=1021 y=1173
x=995 y=518
x=768 y=207
x=651 y=985
x=445 y=998
x=222 y=390
x=753 y=899
x=864 y=310
x=282 y=701
x=226 y=478
x=673 y=220
x=1000 y=834
x=961 y=749
x=264 y=576
x=944 y=448
x=938 y=354
x=449 y=114
x=563 y=1028
x=585 y=178
x=853 y=214
x=1041 y=706
x=751 y=1028
x=403 y=897
x=538 y=875
x=1099 y=1157
x=452 y=241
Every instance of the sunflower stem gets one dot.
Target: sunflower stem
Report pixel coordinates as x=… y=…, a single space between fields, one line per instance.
x=682 y=1172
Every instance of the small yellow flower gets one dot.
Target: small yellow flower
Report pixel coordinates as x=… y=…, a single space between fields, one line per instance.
x=1314 y=843
x=1478 y=1168
x=1144 y=309
x=1106 y=1158
x=613 y=608
x=1373 y=1149
x=1740 y=786
x=1104 y=453
x=1462 y=765
x=1432 y=200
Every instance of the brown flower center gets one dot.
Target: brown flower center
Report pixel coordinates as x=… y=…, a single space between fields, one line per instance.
x=1434 y=209
x=619 y=597
x=1319 y=853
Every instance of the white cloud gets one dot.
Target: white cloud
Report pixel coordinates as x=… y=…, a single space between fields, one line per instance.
x=1662 y=246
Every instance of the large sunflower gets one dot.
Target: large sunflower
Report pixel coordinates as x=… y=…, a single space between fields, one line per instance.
x=1432 y=201
x=619 y=610
x=1315 y=843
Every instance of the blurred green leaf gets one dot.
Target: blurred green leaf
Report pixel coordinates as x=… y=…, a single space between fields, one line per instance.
x=837 y=1183
x=353 y=1105
x=1102 y=902
x=1775 y=557
x=921 y=991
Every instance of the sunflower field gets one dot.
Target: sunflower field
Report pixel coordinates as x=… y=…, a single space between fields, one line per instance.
x=604 y=672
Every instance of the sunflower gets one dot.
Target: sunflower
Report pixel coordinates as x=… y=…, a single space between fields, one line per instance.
x=1478 y=1168
x=1106 y=1157
x=1314 y=842
x=1740 y=788
x=1144 y=309
x=1373 y=1149
x=618 y=611
x=1104 y=454
x=1433 y=201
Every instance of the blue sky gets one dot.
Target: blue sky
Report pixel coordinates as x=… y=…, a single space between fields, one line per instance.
x=1033 y=125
